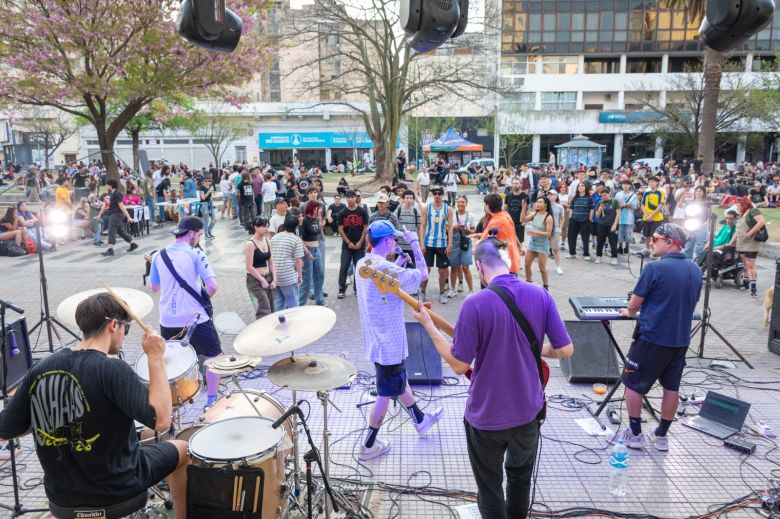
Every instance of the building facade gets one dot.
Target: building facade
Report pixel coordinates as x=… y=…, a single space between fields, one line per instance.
x=590 y=66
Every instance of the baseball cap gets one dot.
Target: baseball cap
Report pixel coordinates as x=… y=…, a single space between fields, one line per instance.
x=381 y=197
x=383 y=228
x=187 y=224
x=552 y=192
x=437 y=188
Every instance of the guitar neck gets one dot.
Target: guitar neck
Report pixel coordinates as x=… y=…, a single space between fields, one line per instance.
x=438 y=320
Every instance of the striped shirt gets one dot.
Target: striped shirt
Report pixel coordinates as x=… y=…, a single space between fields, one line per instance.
x=436 y=230
x=285 y=249
x=581 y=206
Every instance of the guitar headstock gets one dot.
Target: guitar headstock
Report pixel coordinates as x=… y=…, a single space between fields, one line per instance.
x=384 y=281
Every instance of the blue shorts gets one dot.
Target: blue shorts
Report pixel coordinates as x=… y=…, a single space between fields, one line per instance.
x=390 y=380
x=647 y=362
x=460 y=258
x=204 y=340
x=539 y=244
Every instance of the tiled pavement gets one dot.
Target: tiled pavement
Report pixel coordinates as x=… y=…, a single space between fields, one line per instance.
x=696 y=473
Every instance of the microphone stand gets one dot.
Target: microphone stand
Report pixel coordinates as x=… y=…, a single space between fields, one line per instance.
x=310 y=457
x=5 y=353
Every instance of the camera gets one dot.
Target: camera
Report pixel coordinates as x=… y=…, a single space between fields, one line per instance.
x=430 y=23
x=209 y=24
x=727 y=24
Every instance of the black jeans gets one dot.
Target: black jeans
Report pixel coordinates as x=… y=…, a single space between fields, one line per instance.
x=487 y=450
x=348 y=256
x=604 y=233
x=116 y=226
x=581 y=229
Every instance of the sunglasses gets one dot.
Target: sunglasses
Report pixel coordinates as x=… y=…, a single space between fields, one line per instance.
x=126 y=323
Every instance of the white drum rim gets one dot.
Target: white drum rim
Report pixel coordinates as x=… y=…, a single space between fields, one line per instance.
x=141 y=367
x=249 y=459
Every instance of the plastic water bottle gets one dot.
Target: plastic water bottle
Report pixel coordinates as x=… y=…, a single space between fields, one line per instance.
x=618 y=476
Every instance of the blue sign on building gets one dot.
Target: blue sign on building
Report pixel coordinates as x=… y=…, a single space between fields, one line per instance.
x=314 y=140
x=629 y=117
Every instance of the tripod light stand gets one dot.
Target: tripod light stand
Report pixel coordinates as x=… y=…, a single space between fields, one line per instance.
x=48 y=321
x=706 y=313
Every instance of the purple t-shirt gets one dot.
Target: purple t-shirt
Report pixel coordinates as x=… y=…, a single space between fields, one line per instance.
x=505 y=390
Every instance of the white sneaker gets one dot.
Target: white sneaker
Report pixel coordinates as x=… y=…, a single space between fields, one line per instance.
x=662 y=443
x=429 y=421
x=451 y=293
x=559 y=270
x=5 y=452
x=586 y=258
x=598 y=259
x=614 y=261
x=379 y=448
x=443 y=298
x=571 y=256
x=630 y=440
x=421 y=296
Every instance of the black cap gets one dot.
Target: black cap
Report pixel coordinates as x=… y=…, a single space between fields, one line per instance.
x=437 y=188
x=187 y=224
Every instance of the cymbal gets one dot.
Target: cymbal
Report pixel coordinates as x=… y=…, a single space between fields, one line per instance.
x=312 y=372
x=232 y=364
x=139 y=302
x=284 y=331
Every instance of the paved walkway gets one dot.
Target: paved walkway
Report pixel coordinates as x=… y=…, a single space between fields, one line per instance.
x=572 y=472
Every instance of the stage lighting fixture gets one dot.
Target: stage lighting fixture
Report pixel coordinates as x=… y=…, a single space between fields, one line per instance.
x=209 y=24
x=728 y=23
x=430 y=23
x=692 y=218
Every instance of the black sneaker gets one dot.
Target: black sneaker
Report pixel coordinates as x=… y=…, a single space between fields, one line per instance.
x=341 y=295
x=107 y=252
x=133 y=246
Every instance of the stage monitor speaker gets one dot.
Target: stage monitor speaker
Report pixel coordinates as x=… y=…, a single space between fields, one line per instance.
x=15 y=353
x=594 y=358
x=774 y=324
x=423 y=365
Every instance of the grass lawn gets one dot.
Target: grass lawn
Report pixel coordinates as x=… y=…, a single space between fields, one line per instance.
x=771 y=216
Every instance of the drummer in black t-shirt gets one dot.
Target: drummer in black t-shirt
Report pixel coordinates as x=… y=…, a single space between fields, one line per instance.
x=81 y=405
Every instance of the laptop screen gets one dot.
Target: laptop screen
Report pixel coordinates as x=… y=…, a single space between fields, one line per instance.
x=725 y=410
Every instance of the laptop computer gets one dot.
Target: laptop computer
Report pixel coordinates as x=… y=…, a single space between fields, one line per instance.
x=720 y=416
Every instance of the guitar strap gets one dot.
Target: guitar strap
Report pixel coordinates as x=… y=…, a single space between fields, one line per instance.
x=525 y=326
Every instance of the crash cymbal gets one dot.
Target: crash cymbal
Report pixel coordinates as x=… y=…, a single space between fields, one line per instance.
x=232 y=364
x=312 y=372
x=139 y=302
x=284 y=331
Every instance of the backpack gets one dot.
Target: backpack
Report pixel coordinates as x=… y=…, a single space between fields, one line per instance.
x=11 y=249
x=30 y=247
x=416 y=215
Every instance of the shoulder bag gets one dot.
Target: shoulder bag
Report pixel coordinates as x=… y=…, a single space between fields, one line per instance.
x=202 y=298
x=525 y=326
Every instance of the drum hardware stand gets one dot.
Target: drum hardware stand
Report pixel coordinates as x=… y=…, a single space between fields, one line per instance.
x=324 y=398
x=5 y=352
x=47 y=320
x=314 y=456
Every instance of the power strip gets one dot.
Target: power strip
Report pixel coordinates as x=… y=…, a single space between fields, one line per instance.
x=740 y=444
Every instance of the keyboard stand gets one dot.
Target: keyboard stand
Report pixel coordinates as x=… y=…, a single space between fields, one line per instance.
x=608 y=397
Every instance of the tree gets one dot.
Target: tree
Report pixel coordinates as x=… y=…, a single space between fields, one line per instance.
x=685 y=109
x=421 y=130
x=364 y=57
x=512 y=145
x=160 y=114
x=105 y=61
x=713 y=72
x=48 y=129
x=216 y=129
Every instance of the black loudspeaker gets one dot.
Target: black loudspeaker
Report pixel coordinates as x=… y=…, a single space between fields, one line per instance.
x=774 y=325
x=15 y=353
x=423 y=365
x=594 y=358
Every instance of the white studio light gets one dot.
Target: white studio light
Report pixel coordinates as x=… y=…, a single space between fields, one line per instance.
x=693 y=210
x=692 y=224
x=57 y=230
x=57 y=216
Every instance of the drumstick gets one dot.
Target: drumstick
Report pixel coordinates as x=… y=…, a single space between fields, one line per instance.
x=124 y=305
x=257 y=494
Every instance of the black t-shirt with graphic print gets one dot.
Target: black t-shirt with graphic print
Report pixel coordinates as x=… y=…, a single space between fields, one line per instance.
x=81 y=405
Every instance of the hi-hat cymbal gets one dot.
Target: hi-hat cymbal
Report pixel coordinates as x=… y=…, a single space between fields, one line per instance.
x=284 y=331
x=232 y=364
x=139 y=302
x=312 y=372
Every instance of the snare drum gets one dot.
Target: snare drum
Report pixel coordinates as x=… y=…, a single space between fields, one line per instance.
x=245 y=441
x=181 y=366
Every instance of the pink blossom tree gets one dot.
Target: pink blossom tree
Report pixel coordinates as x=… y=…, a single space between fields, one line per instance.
x=104 y=61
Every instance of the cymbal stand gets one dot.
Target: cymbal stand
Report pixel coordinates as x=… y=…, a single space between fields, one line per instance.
x=324 y=397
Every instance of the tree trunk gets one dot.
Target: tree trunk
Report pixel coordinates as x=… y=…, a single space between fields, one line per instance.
x=107 y=154
x=384 y=160
x=135 y=135
x=46 y=152
x=713 y=70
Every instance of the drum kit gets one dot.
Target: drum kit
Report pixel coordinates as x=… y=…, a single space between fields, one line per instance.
x=242 y=429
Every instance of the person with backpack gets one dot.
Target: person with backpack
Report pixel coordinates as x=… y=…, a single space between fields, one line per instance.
x=606 y=228
x=748 y=240
x=409 y=216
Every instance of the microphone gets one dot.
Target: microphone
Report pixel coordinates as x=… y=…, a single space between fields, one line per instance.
x=190 y=330
x=400 y=252
x=12 y=340
x=293 y=409
x=12 y=306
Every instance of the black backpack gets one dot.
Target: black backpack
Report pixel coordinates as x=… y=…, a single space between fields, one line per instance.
x=11 y=249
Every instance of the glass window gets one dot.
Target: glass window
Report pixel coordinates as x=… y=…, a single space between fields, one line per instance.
x=606 y=21
x=535 y=21
x=578 y=22
x=558 y=101
x=578 y=36
x=522 y=101
x=560 y=64
x=549 y=22
x=564 y=22
x=593 y=21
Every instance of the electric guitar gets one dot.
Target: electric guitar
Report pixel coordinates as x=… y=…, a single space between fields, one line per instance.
x=388 y=283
